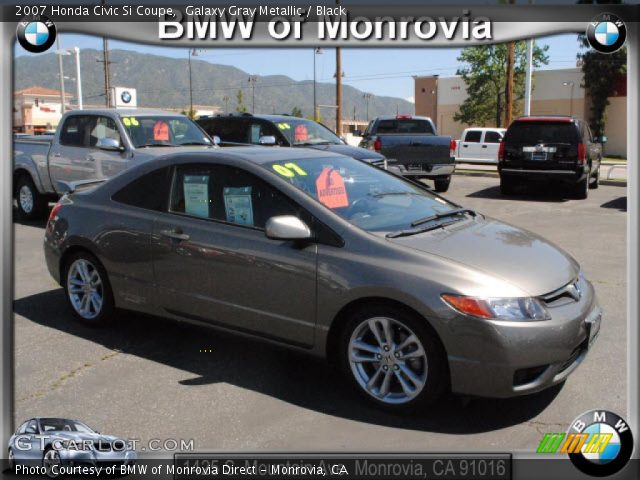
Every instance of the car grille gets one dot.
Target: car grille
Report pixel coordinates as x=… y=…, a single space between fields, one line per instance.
x=563 y=295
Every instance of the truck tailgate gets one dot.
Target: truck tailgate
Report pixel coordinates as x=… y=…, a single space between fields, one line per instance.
x=416 y=150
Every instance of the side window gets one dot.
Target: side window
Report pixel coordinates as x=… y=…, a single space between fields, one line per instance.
x=75 y=130
x=32 y=427
x=149 y=191
x=229 y=130
x=260 y=129
x=22 y=428
x=492 y=137
x=227 y=194
x=473 y=136
x=103 y=127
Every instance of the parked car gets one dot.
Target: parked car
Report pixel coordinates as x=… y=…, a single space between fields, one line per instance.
x=479 y=145
x=551 y=148
x=412 y=148
x=282 y=131
x=50 y=442
x=409 y=293
x=95 y=144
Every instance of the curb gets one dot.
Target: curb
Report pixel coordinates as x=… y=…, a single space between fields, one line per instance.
x=477 y=173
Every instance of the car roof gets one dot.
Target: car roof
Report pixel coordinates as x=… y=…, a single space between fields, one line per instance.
x=126 y=112
x=547 y=118
x=257 y=155
x=488 y=129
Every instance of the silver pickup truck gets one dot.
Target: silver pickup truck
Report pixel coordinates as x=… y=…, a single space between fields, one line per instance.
x=94 y=145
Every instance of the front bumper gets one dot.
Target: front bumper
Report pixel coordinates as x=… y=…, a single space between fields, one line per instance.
x=422 y=170
x=96 y=458
x=507 y=359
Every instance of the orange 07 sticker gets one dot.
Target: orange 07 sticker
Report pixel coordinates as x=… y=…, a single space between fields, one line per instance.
x=331 y=190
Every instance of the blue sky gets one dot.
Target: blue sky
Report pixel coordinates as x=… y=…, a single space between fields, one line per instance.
x=379 y=71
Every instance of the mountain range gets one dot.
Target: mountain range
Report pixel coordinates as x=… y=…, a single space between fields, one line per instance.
x=163 y=82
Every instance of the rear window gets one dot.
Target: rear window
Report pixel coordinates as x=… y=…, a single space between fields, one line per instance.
x=405 y=125
x=473 y=136
x=532 y=133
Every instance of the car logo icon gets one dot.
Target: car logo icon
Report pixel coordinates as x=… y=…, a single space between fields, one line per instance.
x=125 y=96
x=606 y=33
x=36 y=35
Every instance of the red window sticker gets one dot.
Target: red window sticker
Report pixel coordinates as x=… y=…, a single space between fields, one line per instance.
x=161 y=131
x=300 y=134
x=331 y=190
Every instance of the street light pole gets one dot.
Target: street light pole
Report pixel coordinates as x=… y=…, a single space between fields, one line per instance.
x=62 y=106
x=190 y=85
x=252 y=81
x=570 y=84
x=78 y=78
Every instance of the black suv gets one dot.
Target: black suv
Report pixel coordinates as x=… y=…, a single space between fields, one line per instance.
x=283 y=131
x=550 y=148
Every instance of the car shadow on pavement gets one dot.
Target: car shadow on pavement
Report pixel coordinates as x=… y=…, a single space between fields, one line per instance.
x=528 y=193
x=270 y=370
x=39 y=223
x=619 y=203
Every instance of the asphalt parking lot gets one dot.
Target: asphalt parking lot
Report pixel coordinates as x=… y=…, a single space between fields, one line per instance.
x=150 y=378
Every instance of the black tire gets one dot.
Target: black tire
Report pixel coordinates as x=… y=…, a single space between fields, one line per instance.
x=442 y=184
x=581 y=189
x=94 y=316
x=31 y=204
x=595 y=180
x=508 y=186
x=50 y=452
x=437 y=376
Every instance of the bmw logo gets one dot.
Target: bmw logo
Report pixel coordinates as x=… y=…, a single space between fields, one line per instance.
x=125 y=96
x=606 y=33
x=36 y=34
x=608 y=443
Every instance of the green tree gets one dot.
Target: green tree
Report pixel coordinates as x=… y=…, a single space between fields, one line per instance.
x=296 y=112
x=240 y=106
x=484 y=73
x=599 y=72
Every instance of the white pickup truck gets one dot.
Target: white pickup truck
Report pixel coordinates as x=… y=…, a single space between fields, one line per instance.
x=94 y=145
x=479 y=145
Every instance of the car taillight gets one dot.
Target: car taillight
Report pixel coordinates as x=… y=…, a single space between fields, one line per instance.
x=452 y=147
x=582 y=153
x=377 y=145
x=501 y=152
x=54 y=211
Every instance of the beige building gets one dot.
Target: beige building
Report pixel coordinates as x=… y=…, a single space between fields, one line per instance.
x=555 y=92
x=37 y=109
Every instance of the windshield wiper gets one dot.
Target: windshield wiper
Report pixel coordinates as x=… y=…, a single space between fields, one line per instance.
x=384 y=194
x=415 y=231
x=450 y=213
x=157 y=145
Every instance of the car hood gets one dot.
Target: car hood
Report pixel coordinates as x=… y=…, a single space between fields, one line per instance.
x=350 y=151
x=82 y=436
x=511 y=254
x=161 y=151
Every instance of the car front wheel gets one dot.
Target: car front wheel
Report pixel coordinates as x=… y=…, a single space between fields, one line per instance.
x=88 y=290
x=31 y=204
x=393 y=358
x=50 y=460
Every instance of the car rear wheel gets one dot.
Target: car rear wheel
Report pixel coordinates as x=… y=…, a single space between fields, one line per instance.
x=31 y=204
x=442 y=184
x=12 y=460
x=88 y=290
x=393 y=358
x=581 y=191
x=595 y=179
x=507 y=186
x=50 y=460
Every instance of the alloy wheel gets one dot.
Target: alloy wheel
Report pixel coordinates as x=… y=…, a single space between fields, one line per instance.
x=388 y=360
x=25 y=197
x=85 y=289
x=51 y=459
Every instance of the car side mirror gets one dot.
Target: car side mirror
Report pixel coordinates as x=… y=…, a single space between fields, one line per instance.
x=287 y=227
x=216 y=140
x=603 y=139
x=267 y=140
x=357 y=133
x=109 y=144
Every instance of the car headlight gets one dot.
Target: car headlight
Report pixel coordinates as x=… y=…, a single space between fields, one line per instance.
x=514 y=308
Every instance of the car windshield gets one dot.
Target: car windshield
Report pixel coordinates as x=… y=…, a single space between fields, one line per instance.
x=301 y=132
x=163 y=131
x=63 y=425
x=365 y=196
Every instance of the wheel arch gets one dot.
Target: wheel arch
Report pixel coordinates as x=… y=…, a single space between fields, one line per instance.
x=341 y=318
x=72 y=250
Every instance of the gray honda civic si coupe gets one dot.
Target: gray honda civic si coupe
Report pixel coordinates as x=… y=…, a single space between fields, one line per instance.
x=408 y=293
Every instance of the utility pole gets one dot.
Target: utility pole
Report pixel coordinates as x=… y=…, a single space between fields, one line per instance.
x=527 y=76
x=316 y=51
x=62 y=106
x=338 y=88
x=191 y=52
x=225 y=99
x=252 y=81
x=106 y=62
x=508 y=91
x=367 y=97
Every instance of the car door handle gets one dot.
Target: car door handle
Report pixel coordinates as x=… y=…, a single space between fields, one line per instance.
x=465 y=146
x=484 y=146
x=176 y=234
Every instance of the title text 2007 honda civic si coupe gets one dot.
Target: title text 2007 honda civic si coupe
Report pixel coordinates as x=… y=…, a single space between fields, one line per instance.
x=409 y=293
